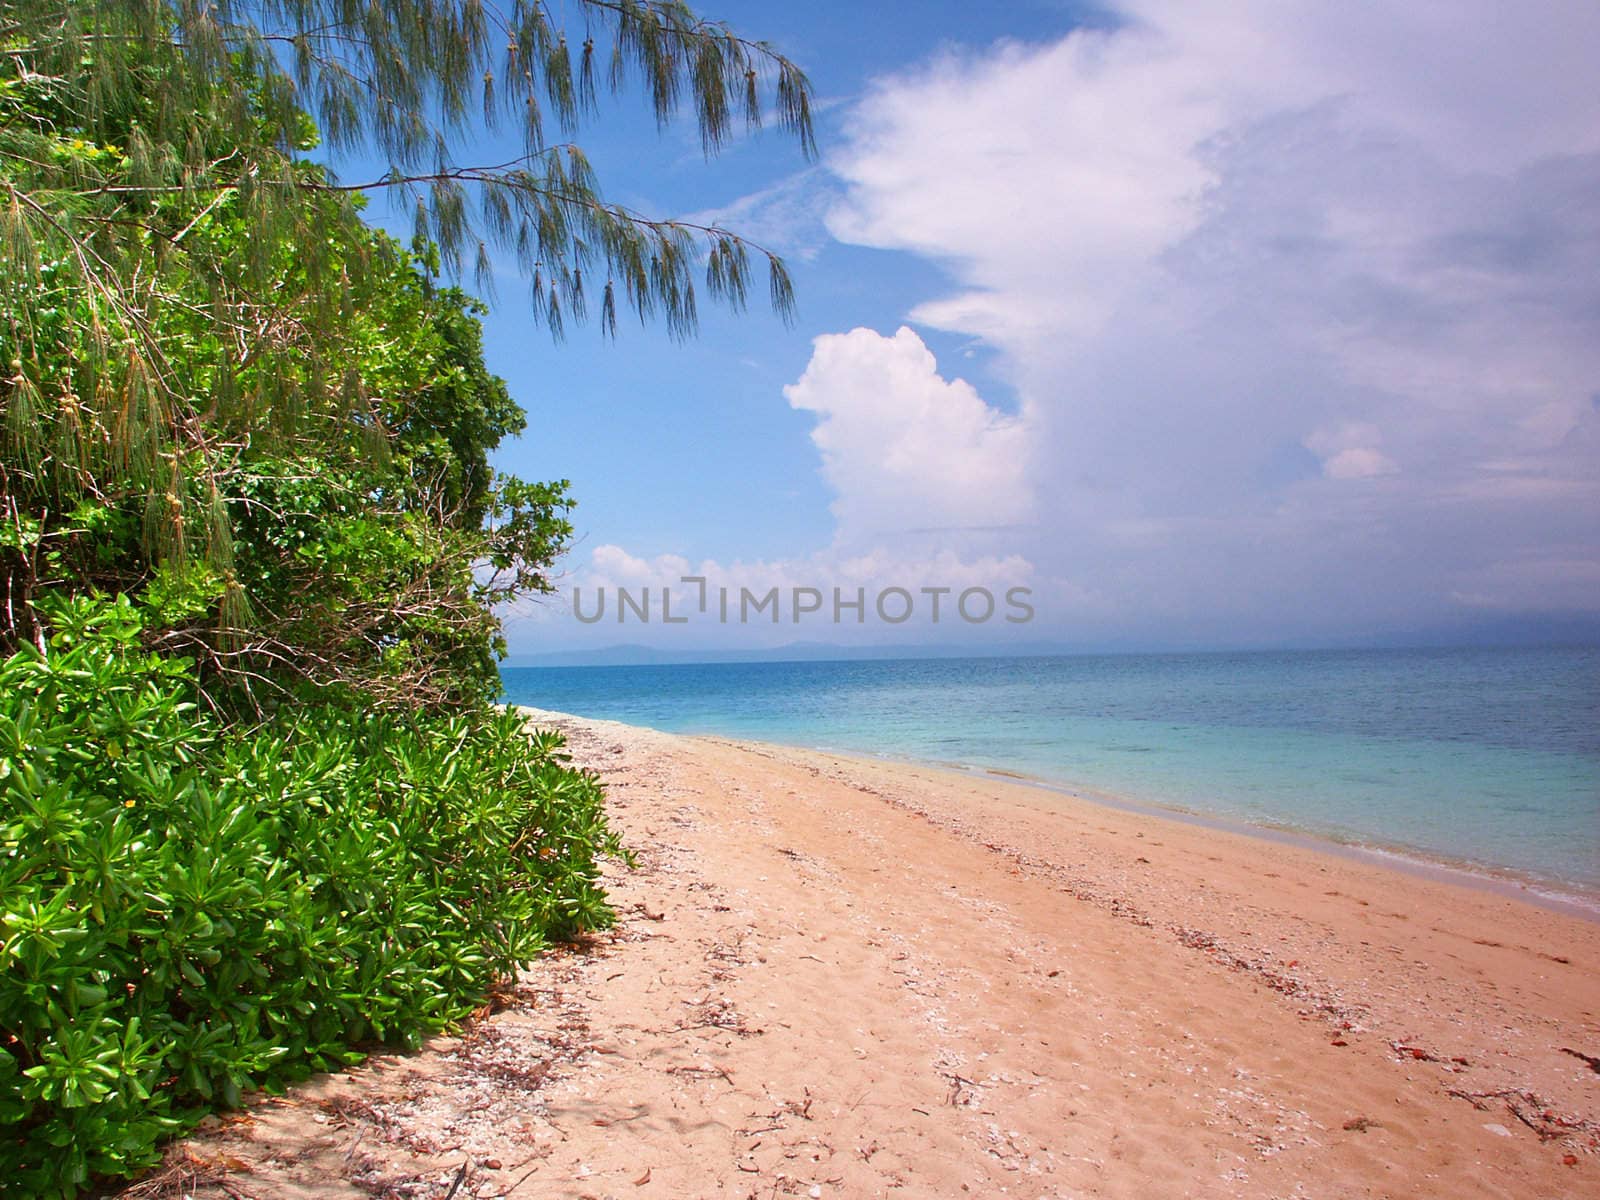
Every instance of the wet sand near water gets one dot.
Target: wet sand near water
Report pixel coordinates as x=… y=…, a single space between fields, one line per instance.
x=843 y=977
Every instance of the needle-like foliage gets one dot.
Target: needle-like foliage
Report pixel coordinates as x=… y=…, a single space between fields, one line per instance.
x=183 y=289
x=225 y=86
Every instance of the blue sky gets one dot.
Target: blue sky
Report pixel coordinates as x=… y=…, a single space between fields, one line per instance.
x=636 y=423
x=1237 y=324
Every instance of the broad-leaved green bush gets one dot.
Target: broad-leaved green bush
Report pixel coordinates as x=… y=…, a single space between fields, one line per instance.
x=191 y=910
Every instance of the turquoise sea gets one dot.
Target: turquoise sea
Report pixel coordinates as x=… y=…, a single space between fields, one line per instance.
x=1482 y=757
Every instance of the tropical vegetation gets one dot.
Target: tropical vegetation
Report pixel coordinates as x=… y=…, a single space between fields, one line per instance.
x=257 y=808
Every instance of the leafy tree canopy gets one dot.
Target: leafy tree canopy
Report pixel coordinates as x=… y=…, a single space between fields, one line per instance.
x=255 y=807
x=221 y=387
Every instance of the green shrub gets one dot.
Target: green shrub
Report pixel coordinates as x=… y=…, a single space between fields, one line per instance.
x=190 y=911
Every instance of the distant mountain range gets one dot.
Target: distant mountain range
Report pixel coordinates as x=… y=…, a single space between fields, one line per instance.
x=641 y=656
x=1543 y=630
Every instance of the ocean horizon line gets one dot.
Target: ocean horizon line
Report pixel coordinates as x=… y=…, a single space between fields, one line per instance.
x=637 y=654
x=1481 y=757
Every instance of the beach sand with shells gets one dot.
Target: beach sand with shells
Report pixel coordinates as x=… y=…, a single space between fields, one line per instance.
x=836 y=976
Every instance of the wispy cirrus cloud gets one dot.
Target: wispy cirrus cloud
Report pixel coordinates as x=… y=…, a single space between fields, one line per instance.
x=786 y=217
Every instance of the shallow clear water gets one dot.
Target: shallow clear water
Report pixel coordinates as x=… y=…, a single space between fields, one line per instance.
x=1487 y=757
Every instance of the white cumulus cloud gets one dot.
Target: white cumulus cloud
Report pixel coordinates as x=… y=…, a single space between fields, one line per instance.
x=1241 y=258
x=927 y=478
x=904 y=449
x=1300 y=299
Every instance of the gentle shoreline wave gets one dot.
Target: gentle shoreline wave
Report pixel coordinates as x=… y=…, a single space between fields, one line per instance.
x=1558 y=895
x=1484 y=762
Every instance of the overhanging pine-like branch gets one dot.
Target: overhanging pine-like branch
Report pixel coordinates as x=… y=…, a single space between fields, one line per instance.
x=555 y=222
x=407 y=78
x=157 y=207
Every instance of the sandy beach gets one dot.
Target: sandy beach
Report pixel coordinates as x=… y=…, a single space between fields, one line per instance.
x=843 y=977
